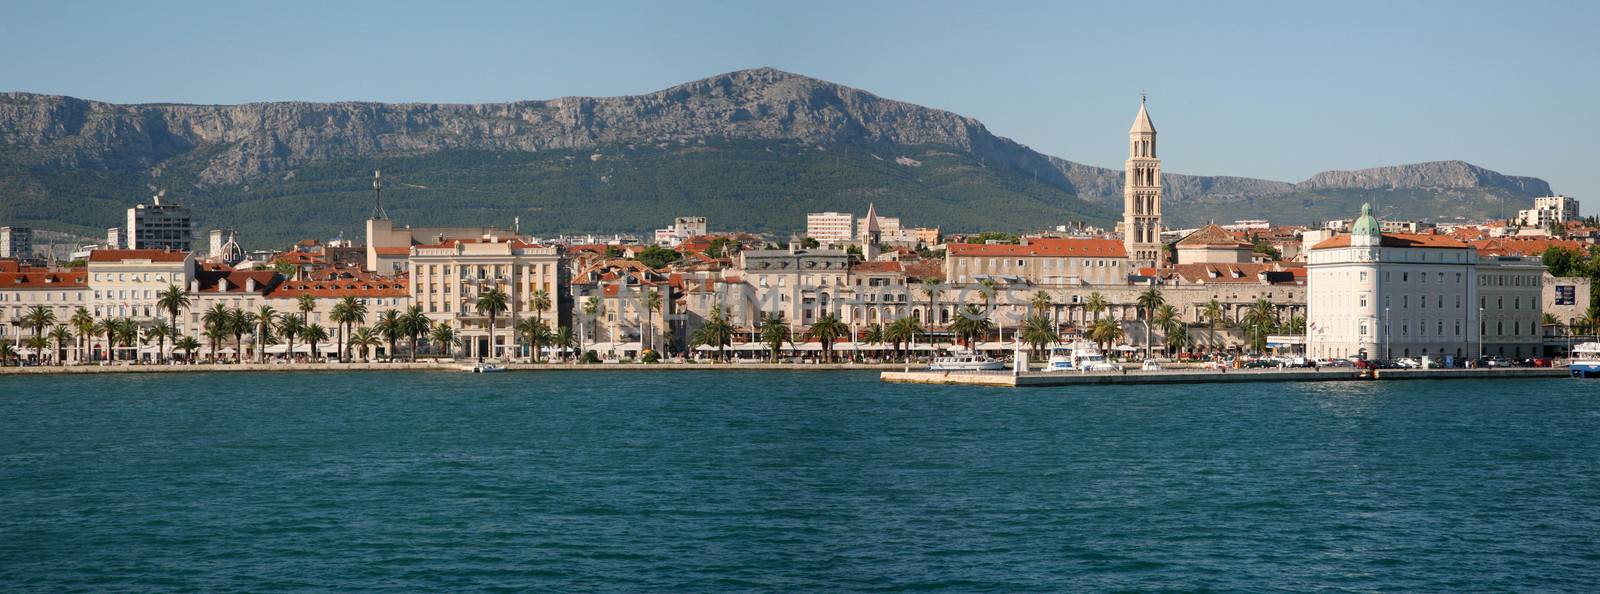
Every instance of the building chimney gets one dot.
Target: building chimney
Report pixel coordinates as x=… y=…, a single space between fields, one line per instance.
x=222 y=285
x=250 y=284
x=194 y=286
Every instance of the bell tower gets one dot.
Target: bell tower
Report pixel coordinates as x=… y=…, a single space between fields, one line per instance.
x=1141 y=194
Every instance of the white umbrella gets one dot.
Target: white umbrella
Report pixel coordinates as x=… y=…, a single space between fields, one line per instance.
x=1126 y=348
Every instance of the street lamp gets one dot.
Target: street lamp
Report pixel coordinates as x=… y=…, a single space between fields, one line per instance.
x=1388 y=334
x=1482 y=325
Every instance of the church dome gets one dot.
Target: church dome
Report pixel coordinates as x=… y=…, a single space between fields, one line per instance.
x=1366 y=224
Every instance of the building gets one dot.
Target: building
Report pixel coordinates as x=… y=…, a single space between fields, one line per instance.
x=1566 y=298
x=380 y=294
x=928 y=236
x=160 y=225
x=1040 y=261
x=16 y=242
x=1141 y=195
x=1212 y=244
x=887 y=226
x=622 y=319
x=114 y=238
x=127 y=283
x=682 y=229
x=1388 y=295
x=831 y=228
x=447 y=278
x=388 y=247
x=1548 y=211
x=22 y=288
x=224 y=247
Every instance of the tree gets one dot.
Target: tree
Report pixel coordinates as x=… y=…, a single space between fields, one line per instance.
x=62 y=336
x=775 y=332
x=38 y=343
x=189 y=346
x=1038 y=331
x=160 y=331
x=1095 y=304
x=1149 y=300
x=413 y=324
x=266 y=320
x=1177 y=336
x=563 y=340
x=970 y=325
x=83 y=323
x=1039 y=302
x=932 y=287
x=536 y=333
x=874 y=335
x=391 y=328
x=315 y=334
x=291 y=327
x=826 y=330
x=1259 y=319
x=240 y=323
x=8 y=353
x=1105 y=332
x=348 y=313
x=591 y=308
x=37 y=318
x=443 y=338
x=215 y=334
x=109 y=328
x=215 y=321
x=716 y=331
x=656 y=256
x=363 y=339
x=1166 y=317
x=723 y=247
x=905 y=330
x=650 y=299
x=1214 y=315
x=173 y=301
x=539 y=301
x=492 y=303
x=306 y=304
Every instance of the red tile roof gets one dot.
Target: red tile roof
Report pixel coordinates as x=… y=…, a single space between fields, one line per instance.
x=211 y=280
x=1212 y=236
x=1402 y=240
x=1523 y=246
x=393 y=286
x=1046 y=247
x=1202 y=273
x=876 y=267
x=43 y=279
x=393 y=251
x=151 y=255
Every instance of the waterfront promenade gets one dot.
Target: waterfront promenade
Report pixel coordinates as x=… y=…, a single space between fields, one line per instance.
x=456 y=366
x=1196 y=376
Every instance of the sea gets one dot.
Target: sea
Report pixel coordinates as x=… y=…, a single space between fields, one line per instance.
x=803 y=481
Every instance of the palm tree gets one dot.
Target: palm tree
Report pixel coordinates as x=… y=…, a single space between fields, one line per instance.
x=1260 y=318
x=1296 y=325
x=444 y=337
x=38 y=343
x=591 y=307
x=1177 y=337
x=1149 y=300
x=160 y=331
x=109 y=327
x=1166 y=317
x=1214 y=315
x=413 y=324
x=306 y=304
x=391 y=327
x=492 y=303
x=932 y=287
x=1095 y=304
x=905 y=330
x=215 y=335
x=173 y=301
x=1105 y=332
x=266 y=320
x=347 y=313
x=651 y=301
x=83 y=322
x=970 y=325
x=291 y=327
x=536 y=333
x=215 y=321
x=240 y=323
x=775 y=332
x=38 y=317
x=1038 y=331
x=563 y=340
x=127 y=332
x=539 y=301
x=315 y=334
x=7 y=353
x=1039 y=302
x=717 y=331
x=828 y=329
x=189 y=346
x=61 y=335
x=363 y=339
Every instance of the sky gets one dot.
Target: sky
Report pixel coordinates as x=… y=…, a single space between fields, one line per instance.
x=1277 y=90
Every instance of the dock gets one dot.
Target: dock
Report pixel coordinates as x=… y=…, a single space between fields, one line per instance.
x=1039 y=379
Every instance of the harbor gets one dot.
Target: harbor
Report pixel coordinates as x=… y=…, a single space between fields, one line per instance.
x=1037 y=379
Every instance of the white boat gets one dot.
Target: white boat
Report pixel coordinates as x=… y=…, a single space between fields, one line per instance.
x=1079 y=356
x=484 y=368
x=966 y=362
x=1150 y=365
x=1585 y=360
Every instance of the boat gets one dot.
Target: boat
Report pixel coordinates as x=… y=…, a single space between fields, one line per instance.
x=966 y=362
x=484 y=368
x=1150 y=365
x=1585 y=360
x=1079 y=356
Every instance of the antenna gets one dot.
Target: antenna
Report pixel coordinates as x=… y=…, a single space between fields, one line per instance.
x=377 y=192
x=1142 y=96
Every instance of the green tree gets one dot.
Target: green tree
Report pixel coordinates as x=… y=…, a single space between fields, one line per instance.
x=904 y=331
x=444 y=339
x=717 y=331
x=83 y=324
x=415 y=323
x=189 y=345
x=266 y=320
x=391 y=327
x=173 y=301
x=347 y=314
x=1149 y=300
x=970 y=325
x=364 y=339
x=826 y=330
x=1038 y=331
x=774 y=332
x=1095 y=305
x=291 y=327
x=657 y=256
x=1106 y=333
x=160 y=331
x=37 y=318
x=492 y=303
x=1214 y=315
x=723 y=247
x=315 y=334
x=61 y=335
x=564 y=340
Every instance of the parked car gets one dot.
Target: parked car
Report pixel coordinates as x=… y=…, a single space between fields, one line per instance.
x=1407 y=363
x=1539 y=362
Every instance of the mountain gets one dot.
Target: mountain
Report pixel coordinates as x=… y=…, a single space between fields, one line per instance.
x=754 y=149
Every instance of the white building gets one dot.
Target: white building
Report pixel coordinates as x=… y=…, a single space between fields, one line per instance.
x=447 y=277
x=1390 y=295
x=831 y=228
x=682 y=228
x=160 y=226
x=1549 y=210
x=16 y=242
x=1141 y=195
x=127 y=283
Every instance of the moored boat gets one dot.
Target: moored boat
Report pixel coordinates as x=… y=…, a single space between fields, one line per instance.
x=966 y=362
x=1585 y=360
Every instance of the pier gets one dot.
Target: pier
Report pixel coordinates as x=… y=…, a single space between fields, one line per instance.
x=1038 y=379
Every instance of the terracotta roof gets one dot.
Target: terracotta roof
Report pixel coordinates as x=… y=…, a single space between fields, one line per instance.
x=448 y=243
x=1047 y=247
x=211 y=280
x=386 y=286
x=1239 y=273
x=924 y=269
x=300 y=258
x=10 y=265
x=876 y=267
x=1402 y=240
x=151 y=255
x=1523 y=246
x=44 y=279
x=393 y=251
x=1212 y=236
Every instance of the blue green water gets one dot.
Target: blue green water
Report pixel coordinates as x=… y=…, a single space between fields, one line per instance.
x=768 y=481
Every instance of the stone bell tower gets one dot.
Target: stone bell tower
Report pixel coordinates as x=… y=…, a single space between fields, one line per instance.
x=1141 y=194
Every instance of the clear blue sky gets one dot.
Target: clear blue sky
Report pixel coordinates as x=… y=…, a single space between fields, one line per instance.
x=1275 y=90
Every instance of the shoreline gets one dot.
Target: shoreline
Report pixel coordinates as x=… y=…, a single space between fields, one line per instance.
x=1186 y=376
x=451 y=366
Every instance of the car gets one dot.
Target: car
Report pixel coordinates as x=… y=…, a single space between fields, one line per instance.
x=1338 y=363
x=1539 y=362
x=1407 y=363
x=1262 y=364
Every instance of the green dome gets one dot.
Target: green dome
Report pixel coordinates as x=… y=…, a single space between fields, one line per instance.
x=1366 y=224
